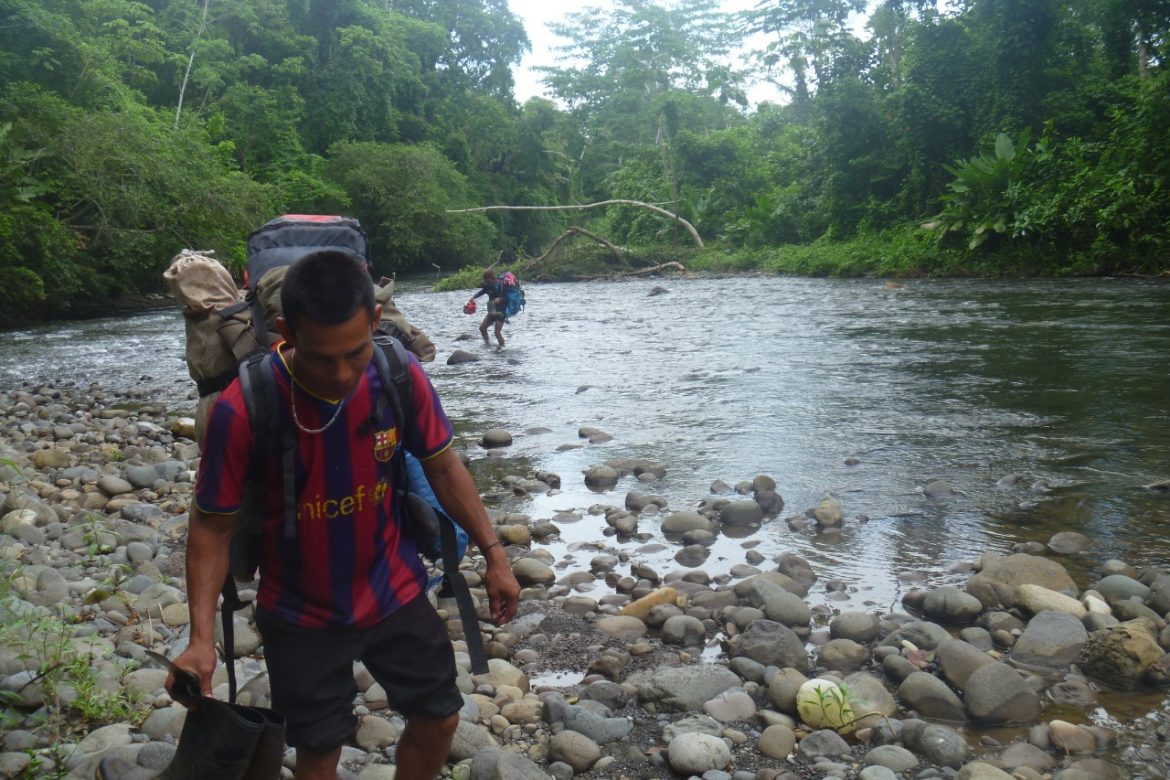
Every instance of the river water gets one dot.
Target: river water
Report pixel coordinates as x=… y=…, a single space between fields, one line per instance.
x=1061 y=386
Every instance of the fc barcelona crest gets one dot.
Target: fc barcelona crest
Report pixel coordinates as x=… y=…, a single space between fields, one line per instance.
x=385 y=442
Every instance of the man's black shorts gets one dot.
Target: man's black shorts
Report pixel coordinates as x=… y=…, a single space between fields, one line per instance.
x=409 y=654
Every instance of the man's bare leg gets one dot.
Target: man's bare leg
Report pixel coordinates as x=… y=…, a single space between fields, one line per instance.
x=317 y=766
x=483 y=326
x=499 y=333
x=423 y=747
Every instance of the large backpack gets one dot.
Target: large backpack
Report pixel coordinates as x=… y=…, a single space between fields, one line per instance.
x=513 y=294
x=226 y=325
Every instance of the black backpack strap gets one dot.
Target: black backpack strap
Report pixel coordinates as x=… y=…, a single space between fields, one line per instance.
x=231 y=602
x=458 y=583
x=393 y=366
x=262 y=400
x=259 y=321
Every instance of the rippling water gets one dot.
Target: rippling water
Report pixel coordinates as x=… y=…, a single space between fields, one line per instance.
x=1063 y=383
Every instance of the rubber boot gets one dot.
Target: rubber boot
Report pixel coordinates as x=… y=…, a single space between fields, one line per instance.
x=218 y=742
x=269 y=753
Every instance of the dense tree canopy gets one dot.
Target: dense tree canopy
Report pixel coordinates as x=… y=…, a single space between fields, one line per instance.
x=1018 y=135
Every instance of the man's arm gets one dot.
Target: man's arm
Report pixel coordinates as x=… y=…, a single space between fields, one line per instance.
x=208 y=542
x=458 y=495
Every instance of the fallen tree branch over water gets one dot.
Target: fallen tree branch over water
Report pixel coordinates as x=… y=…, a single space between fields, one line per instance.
x=584 y=206
x=575 y=231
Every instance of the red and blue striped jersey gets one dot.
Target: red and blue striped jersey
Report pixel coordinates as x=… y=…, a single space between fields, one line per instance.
x=348 y=563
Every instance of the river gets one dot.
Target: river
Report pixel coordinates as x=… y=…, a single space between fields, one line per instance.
x=831 y=387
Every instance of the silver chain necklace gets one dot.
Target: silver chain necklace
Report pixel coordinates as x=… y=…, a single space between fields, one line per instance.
x=297 y=420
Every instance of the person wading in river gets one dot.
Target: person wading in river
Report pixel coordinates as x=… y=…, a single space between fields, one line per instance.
x=349 y=584
x=495 y=292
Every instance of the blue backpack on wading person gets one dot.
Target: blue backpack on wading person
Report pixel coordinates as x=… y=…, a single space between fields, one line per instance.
x=513 y=294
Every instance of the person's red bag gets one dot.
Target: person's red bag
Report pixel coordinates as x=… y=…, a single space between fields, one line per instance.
x=469 y=307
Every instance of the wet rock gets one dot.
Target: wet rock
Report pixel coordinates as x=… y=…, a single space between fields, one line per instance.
x=594 y=435
x=1071 y=738
x=770 y=643
x=995 y=584
x=996 y=694
x=1022 y=754
x=930 y=697
x=1121 y=654
x=692 y=555
x=601 y=476
x=829 y=513
x=861 y=627
x=636 y=502
x=1036 y=599
x=777 y=604
x=683 y=630
x=739 y=513
x=1051 y=641
x=843 y=655
x=1069 y=543
x=679 y=523
x=1119 y=587
x=959 y=660
x=938 y=489
x=530 y=571
x=951 y=605
x=936 y=743
x=797 y=568
x=979 y=770
x=920 y=633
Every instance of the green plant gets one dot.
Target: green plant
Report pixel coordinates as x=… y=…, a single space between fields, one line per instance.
x=74 y=698
x=988 y=196
x=97 y=538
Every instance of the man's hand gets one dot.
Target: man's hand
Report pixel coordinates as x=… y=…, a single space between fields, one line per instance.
x=199 y=659
x=502 y=588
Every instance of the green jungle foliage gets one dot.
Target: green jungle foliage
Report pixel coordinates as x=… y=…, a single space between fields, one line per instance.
x=979 y=137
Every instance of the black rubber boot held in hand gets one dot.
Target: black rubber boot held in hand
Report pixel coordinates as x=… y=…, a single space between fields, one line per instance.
x=219 y=741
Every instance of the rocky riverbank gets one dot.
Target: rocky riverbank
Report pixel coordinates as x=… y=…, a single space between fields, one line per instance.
x=732 y=673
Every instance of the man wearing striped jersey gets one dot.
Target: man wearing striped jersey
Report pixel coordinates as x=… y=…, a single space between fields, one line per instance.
x=348 y=584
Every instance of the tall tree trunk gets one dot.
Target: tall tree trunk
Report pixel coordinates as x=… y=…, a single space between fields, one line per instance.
x=190 y=62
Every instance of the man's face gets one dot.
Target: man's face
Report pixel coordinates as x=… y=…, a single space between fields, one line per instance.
x=488 y=277
x=330 y=359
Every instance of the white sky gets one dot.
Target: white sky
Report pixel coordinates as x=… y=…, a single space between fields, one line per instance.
x=536 y=14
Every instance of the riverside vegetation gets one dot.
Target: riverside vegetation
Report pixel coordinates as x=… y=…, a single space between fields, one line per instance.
x=987 y=137
x=725 y=670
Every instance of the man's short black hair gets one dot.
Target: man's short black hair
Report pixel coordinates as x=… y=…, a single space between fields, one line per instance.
x=328 y=287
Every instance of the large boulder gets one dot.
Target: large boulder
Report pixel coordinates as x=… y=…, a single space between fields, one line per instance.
x=1051 y=642
x=682 y=688
x=996 y=583
x=1119 y=655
